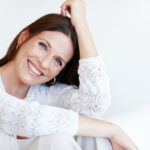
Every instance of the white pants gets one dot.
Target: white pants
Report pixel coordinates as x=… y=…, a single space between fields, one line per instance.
x=65 y=142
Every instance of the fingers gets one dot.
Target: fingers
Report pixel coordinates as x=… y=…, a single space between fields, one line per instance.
x=76 y=9
x=66 y=7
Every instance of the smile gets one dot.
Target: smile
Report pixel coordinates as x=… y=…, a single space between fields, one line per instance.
x=33 y=69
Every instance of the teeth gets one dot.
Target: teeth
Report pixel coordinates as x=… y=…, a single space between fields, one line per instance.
x=34 y=69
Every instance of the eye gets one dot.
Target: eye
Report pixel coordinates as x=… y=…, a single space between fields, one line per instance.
x=43 y=45
x=59 y=62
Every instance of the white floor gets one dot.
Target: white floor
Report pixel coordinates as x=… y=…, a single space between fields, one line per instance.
x=136 y=124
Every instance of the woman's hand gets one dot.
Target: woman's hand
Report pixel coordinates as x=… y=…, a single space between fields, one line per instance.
x=76 y=9
x=121 y=141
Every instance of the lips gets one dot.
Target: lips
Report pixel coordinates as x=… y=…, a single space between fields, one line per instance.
x=33 y=69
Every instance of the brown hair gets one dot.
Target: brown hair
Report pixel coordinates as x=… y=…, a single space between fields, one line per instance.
x=52 y=22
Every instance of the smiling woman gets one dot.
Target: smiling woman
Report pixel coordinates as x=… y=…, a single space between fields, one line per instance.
x=44 y=60
x=31 y=106
x=47 y=49
x=61 y=48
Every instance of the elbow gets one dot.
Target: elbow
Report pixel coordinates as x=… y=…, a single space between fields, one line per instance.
x=96 y=109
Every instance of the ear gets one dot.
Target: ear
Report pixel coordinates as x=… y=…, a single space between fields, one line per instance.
x=24 y=35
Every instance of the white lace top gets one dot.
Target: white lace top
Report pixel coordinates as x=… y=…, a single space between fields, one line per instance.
x=41 y=113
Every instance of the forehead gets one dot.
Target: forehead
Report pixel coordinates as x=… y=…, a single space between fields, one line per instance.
x=59 y=42
x=55 y=37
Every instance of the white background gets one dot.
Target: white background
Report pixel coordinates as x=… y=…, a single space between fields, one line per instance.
x=121 y=30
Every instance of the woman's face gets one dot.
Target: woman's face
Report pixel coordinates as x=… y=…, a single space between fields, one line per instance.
x=42 y=57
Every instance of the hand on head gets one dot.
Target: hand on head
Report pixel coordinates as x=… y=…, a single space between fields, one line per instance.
x=76 y=9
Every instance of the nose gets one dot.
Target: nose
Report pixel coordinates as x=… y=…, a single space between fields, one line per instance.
x=45 y=62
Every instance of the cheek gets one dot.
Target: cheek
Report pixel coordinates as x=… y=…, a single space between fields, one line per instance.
x=33 y=50
x=53 y=72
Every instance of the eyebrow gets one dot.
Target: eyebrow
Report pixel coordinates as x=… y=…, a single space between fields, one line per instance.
x=50 y=47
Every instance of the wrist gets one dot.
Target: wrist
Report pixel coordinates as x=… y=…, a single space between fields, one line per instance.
x=81 y=25
x=115 y=130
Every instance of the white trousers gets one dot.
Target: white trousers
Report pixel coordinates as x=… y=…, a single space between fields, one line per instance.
x=66 y=142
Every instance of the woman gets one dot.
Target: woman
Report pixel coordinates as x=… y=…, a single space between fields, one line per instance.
x=48 y=50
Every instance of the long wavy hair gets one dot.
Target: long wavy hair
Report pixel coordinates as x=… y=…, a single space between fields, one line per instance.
x=52 y=22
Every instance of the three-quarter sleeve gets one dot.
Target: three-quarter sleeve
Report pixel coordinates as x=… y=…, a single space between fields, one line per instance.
x=93 y=97
x=30 y=119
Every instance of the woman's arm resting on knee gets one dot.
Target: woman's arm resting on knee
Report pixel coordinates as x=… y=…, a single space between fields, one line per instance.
x=31 y=119
x=100 y=128
x=95 y=128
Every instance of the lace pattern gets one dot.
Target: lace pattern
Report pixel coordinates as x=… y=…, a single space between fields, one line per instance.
x=30 y=119
x=92 y=98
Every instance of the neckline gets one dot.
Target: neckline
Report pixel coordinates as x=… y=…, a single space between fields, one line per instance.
x=3 y=88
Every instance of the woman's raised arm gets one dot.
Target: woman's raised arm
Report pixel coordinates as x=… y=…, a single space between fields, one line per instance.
x=93 y=97
x=77 y=11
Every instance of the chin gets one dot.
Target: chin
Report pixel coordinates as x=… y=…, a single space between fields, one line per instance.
x=28 y=81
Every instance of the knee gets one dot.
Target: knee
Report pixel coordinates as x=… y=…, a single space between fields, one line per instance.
x=54 y=142
x=55 y=138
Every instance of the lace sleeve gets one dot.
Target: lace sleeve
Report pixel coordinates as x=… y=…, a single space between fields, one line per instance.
x=30 y=119
x=92 y=98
